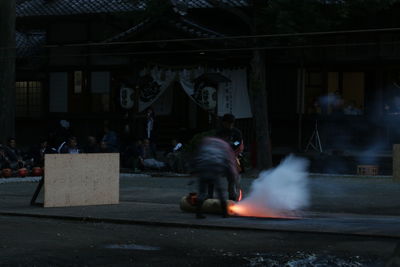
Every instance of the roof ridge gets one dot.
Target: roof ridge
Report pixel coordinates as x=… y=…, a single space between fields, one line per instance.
x=132 y=29
x=203 y=28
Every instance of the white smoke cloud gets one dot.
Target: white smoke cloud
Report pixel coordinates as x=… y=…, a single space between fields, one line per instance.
x=279 y=191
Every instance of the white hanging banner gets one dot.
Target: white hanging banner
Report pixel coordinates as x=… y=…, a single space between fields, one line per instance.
x=229 y=92
x=233 y=97
x=186 y=78
x=224 y=89
x=153 y=86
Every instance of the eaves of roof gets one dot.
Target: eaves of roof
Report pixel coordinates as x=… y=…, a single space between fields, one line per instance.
x=35 y=8
x=210 y=3
x=131 y=31
x=182 y=24
x=40 y=8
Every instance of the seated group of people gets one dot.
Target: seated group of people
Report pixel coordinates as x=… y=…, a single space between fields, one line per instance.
x=139 y=156
x=70 y=146
x=13 y=158
x=142 y=155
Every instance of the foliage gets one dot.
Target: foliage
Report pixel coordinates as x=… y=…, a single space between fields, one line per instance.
x=296 y=16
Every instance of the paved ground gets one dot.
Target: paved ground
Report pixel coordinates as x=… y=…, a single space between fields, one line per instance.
x=345 y=213
x=47 y=242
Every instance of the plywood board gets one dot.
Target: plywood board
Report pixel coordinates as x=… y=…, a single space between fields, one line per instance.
x=81 y=179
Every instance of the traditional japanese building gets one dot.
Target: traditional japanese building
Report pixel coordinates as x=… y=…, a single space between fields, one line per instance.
x=91 y=61
x=97 y=53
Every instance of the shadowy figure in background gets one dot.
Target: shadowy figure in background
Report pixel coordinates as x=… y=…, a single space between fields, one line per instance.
x=13 y=155
x=337 y=103
x=38 y=152
x=351 y=108
x=393 y=106
x=132 y=155
x=110 y=139
x=105 y=148
x=174 y=156
x=148 y=157
x=214 y=159
x=59 y=137
x=71 y=147
x=91 y=146
x=2 y=157
x=149 y=126
x=314 y=106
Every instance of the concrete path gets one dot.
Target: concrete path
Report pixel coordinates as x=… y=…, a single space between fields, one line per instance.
x=369 y=205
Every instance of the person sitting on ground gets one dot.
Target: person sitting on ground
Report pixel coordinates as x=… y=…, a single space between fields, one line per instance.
x=13 y=155
x=105 y=148
x=2 y=157
x=92 y=146
x=351 y=108
x=214 y=159
x=71 y=147
x=147 y=158
x=110 y=139
x=59 y=137
x=174 y=156
x=37 y=152
x=132 y=154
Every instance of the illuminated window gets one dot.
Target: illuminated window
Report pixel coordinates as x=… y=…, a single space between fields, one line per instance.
x=28 y=98
x=337 y=93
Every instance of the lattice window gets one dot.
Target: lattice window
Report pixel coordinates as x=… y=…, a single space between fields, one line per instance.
x=28 y=98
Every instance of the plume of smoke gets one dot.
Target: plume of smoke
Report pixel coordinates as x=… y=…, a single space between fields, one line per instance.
x=279 y=191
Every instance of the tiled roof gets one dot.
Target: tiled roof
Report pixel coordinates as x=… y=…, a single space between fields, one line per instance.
x=31 y=8
x=29 y=43
x=210 y=3
x=182 y=24
x=135 y=29
x=182 y=6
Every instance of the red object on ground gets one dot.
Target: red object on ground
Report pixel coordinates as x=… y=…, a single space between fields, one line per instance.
x=37 y=171
x=6 y=172
x=192 y=198
x=22 y=172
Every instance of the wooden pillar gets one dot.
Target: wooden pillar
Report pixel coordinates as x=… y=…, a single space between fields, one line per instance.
x=7 y=69
x=300 y=105
x=396 y=162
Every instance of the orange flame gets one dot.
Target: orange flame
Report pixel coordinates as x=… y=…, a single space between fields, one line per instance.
x=247 y=210
x=240 y=195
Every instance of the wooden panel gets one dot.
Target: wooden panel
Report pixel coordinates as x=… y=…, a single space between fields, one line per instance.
x=81 y=179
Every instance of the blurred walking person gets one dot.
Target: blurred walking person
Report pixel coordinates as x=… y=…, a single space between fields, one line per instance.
x=215 y=159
